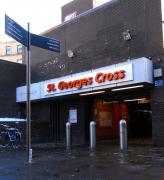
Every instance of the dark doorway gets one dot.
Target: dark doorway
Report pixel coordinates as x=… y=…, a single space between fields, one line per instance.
x=140 y=119
x=55 y=121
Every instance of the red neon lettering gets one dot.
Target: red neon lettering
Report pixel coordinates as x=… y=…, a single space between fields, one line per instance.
x=109 y=77
x=79 y=84
x=76 y=83
x=115 y=75
x=121 y=74
x=60 y=85
x=98 y=78
x=51 y=88
x=90 y=81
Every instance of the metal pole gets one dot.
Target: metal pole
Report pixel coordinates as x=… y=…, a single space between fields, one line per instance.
x=123 y=135
x=92 y=135
x=68 y=134
x=28 y=102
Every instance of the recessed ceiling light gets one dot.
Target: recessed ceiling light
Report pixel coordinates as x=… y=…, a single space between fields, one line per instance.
x=124 y=88
x=96 y=92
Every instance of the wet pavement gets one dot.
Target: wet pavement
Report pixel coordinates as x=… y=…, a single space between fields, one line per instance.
x=79 y=163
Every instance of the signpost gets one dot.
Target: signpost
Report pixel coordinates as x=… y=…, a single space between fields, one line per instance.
x=28 y=101
x=158 y=83
x=45 y=43
x=26 y=38
x=15 y=31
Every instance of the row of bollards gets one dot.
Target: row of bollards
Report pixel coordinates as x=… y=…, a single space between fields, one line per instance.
x=123 y=135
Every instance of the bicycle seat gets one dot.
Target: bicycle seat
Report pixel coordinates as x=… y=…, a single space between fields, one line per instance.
x=12 y=133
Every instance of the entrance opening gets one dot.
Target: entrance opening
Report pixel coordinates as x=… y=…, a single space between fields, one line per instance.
x=55 y=121
x=140 y=119
x=107 y=116
x=136 y=112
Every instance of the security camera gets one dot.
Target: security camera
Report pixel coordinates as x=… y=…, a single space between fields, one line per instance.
x=127 y=35
x=70 y=53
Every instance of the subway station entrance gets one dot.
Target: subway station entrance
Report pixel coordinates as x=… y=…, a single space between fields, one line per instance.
x=105 y=95
x=107 y=116
x=136 y=112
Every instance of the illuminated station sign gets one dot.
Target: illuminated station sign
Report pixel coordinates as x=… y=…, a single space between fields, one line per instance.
x=127 y=73
x=100 y=78
x=91 y=79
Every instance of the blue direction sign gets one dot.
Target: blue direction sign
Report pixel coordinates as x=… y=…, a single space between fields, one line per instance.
x=18 y=33
x=15 y=31
x=45 y=42
x=158 y=83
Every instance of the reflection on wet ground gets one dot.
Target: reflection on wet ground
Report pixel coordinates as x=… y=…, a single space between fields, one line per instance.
x=106 y=162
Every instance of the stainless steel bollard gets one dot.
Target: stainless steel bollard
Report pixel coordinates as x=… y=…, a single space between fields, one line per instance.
x=30 y=156
x=92 y=135
x=68 y=134
x=123 y=135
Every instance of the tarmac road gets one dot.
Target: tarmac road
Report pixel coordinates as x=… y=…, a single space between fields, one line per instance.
x=79 y=163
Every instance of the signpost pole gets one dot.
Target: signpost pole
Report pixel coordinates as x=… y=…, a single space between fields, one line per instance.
x=28 y=103
x=14 y=30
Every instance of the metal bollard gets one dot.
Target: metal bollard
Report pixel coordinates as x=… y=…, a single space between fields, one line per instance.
x=68 y=134
x=123 y=135
x=92 y=135
x=30 y=156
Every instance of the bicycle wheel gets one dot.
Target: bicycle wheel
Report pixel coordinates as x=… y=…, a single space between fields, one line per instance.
x=4 y=139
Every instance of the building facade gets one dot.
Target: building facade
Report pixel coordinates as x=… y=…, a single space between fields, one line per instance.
x=109 y=68
x=77 y=7
x=11 y=51
x=11 y=113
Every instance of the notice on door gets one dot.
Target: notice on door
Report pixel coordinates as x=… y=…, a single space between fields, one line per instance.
x=73 y=115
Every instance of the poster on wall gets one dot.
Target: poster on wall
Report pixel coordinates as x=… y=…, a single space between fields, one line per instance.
x=73 y=115
x=105 y=119
x=103 y=114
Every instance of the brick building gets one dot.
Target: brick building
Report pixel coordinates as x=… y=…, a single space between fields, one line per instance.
x=104 y=72
x=11 y=113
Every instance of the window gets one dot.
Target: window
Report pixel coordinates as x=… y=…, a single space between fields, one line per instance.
x=8 y=50
x=19 y=49
x=19 y=61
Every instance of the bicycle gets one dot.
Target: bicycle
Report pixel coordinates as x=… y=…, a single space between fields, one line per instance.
x=10 y=137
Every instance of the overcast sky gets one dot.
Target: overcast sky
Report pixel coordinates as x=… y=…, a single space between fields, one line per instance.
x=41 y=14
